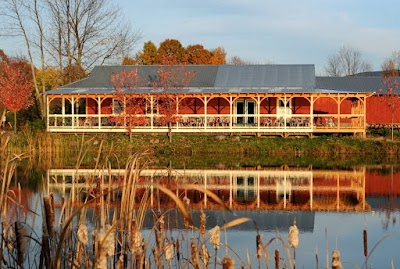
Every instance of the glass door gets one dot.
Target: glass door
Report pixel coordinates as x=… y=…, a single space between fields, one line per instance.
x=250 y=111
x=240 y=112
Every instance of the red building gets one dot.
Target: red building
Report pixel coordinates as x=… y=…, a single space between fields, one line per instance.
x=248 y=99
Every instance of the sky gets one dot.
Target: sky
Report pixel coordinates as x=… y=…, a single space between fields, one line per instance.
x=266 y=31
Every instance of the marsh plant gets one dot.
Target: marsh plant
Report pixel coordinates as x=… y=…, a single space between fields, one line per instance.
x=90 y=228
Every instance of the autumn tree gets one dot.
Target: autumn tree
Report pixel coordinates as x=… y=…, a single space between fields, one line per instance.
x=218 y=56
x=148 y=55
x=128 y=61
x=346 y=62
x=170 y=81
x=15 y=86
x=67 y=33
x=128 y=106
x=393 y=61
x=170 y=52
x=197 y=54
x=50 y=76
x=389 y=95
x=73 y=73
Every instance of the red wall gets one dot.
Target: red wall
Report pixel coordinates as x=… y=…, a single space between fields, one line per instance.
x=378 y=110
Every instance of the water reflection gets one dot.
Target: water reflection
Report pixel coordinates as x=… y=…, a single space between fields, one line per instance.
x=341 y=202
x=272 y=189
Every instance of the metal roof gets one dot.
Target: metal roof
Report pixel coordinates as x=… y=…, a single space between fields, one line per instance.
x=229 y=79
x=352 y=83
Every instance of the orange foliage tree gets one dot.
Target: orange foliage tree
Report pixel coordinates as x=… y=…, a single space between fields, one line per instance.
x=129 y=109
x=16 y=86
x=170 y=82
x=197 y=54
x=172 y=52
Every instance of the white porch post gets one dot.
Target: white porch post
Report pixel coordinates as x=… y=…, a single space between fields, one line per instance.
x=312 y=111
x=339 y=113
x=258 y=113
x=99 y=112
x=151 y=112
x=205 y=112
x=73 y=112
x=176 y=111
x=63 y=110
x=230 y=112
x=48 y=112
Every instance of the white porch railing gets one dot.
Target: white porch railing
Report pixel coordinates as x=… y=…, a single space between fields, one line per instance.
x=210 y=123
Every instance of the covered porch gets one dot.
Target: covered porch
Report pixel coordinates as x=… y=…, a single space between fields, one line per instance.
x=242 y=113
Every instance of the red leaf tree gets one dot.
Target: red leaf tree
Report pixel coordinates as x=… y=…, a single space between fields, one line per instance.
x=390 y=98
x=171 y=80
x=15 y=86
x=129 y=109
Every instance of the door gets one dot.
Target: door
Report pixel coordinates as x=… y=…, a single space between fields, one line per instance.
x=245 y=110
x=240 y=112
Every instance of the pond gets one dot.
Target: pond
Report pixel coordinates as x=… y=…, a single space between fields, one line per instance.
x=331 y=208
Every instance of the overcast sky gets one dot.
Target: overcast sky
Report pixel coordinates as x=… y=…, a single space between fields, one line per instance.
x=266 y=31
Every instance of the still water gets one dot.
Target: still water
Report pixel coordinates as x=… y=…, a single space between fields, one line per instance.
x=331 y=208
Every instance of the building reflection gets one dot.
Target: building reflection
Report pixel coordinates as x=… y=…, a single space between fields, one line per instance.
x=259 y=189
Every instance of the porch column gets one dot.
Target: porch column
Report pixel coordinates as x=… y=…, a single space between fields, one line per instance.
x=258 y=113
x=339 y=113
x=230 y=112
x=364 y=99
x=63 y=110
x=151 y=112
x=205 y=112
x=98 y=112
x=176 y=112
x=312 y=111
x=48 y=112
x=73 y=112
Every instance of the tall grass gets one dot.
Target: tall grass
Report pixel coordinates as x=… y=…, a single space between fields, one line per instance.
x=103 y=232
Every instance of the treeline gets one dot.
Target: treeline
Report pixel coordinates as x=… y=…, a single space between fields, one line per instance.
x=171 y=51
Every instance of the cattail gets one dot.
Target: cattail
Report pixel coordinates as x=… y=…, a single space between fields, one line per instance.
x=133 y=233
x=178 y=250
x=49 y=214
x=82 y=234
x=109 y=240
x=215 y=236
x=169 y=251
x=21 y=241
x=293 y=236
x=106 y=246
x=258 y=246
x=195 y=255
x=336 y=263
x=205 y=255
x=365 y=239
x=101 y=255
x=228 y=263
x=155 y=255
x=277 y=259
x=202 y=223
x=120 y=262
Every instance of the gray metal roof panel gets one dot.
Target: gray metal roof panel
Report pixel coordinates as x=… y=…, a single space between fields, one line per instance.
x=301 y=76
x=352 y=83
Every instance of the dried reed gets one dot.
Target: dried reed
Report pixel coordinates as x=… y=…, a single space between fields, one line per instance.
x=336 y=262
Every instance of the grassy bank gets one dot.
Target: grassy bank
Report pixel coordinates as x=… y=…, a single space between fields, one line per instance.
x=207 y=150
